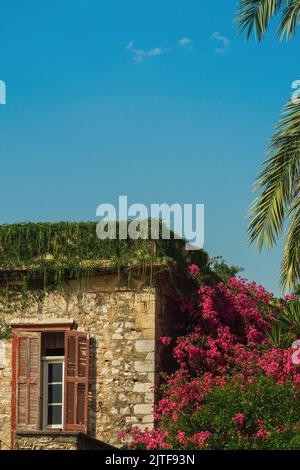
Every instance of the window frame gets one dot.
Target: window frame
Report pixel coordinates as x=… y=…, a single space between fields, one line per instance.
x=69 y=328
x=46 y=360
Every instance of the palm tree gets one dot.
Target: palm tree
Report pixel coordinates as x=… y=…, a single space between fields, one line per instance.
x=276 y=210
x=256 y=14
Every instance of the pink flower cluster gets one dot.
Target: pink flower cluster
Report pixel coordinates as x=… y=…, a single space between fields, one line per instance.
x=262 y=434
x=149 y=439
x=239 y=420
x=166 y=340
x=229 y=335
x=198 y=440
x=194 y=269
x=227 y=340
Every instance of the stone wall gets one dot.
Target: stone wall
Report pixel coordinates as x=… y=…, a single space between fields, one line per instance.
x=37 y=441
x=125 y=324
x=57 y=441
x=5 y=393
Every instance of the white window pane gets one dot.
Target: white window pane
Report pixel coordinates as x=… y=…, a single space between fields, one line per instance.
x=54 y=414
x=55 y=372
x=55 y=393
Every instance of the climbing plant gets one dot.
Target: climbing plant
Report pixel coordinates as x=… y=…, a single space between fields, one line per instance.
x=40 y=256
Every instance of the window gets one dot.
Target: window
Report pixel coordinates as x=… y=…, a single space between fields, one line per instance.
x=53 y=392
x=53 y=358
x=50 y=379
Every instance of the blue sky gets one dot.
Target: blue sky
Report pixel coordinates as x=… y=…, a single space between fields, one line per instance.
x=103 y=99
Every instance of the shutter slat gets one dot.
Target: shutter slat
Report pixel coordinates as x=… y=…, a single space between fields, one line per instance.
x=80 y=403
x=70 y=399
x=23 y=356
x=35 y=359
x=21 y=411
x=82 y=356
x=76 y=381
x=33 y=397
x=71 y=357
x=28 y=381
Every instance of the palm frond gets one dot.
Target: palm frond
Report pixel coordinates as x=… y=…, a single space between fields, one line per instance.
x=290 y=19
x=290 y=266
x=277 y=178
x=290 y=317
x=278 y=337
x=256 y=14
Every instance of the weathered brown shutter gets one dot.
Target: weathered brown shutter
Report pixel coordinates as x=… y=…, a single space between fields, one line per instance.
x=76 y=381
x=28 y=365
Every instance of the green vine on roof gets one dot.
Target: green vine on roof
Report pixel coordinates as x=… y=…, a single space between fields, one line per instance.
x=42 y=256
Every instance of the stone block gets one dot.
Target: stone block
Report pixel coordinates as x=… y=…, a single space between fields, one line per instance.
x=146 y=346
x=143 y=409
x=148 y=419
x=146 y=366
x=142 y=387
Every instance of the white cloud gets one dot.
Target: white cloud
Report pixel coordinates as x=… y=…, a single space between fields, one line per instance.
x=139 y=55
x=156 y=51
x=129 y=45
x=224 y=43
x=184 y=42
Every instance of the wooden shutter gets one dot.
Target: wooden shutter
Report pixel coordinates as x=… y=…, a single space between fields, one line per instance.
x=76 y=381
x=28 y=372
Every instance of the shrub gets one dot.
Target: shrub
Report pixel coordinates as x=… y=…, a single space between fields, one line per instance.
x=258 y=414
x=234 y=388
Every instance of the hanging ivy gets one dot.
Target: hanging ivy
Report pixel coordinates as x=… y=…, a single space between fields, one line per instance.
x=41 y=256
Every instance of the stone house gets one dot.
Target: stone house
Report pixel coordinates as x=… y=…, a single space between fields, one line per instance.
x=79 y=363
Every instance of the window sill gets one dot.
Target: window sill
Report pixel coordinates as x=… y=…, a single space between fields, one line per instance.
x=45 y=432
x=57 y=440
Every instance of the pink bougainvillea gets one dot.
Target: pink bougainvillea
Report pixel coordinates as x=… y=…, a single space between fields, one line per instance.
x=262 y=434
x=227 y=340
x=239 y=420
x=166 y=341
x=194 y=269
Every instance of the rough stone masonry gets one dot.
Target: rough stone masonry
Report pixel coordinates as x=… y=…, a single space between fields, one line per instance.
x=125 y=322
